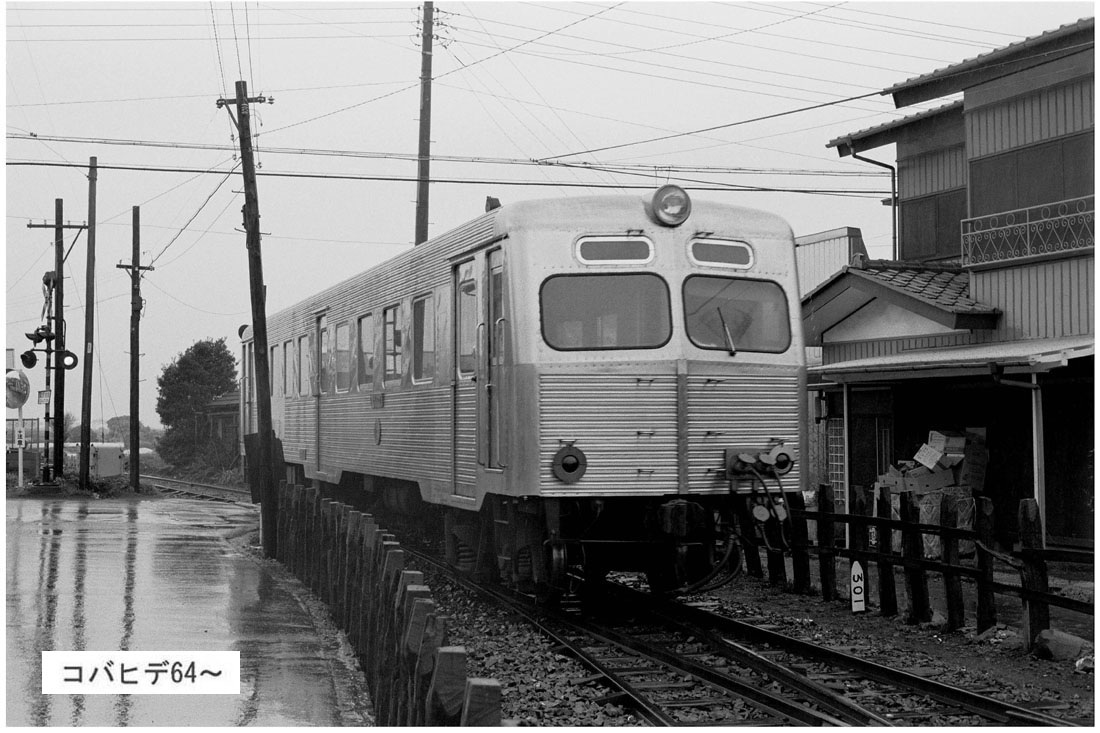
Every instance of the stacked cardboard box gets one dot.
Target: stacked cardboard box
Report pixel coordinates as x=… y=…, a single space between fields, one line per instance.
x=948 y=463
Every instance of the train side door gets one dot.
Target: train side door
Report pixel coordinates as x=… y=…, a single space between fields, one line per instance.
x=321 y=346
x=495 y=355
x=467 y=316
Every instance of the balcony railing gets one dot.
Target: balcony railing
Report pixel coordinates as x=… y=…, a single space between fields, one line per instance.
x=1039 y=231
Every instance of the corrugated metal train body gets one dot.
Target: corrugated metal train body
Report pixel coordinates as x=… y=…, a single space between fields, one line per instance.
x=625 y=424
x=743 y=410
x=648 y=428
x=412 y=418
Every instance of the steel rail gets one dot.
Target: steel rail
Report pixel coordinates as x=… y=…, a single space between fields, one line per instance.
x=191 y=487
x=775 y=704
x=1000 y=711
x=621 y=687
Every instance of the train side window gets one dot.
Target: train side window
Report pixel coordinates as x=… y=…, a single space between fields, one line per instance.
x=722 y=253
x=304 y=360
x=467 y=320
x=423 y=338
x=288 y=361
x=391 y=332
x=343 y=357
x=324 y=384
x=366 y=351
x=273 y=369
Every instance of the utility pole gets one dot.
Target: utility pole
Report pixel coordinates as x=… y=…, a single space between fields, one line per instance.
x=89 y=323
x=423 y=153
x=58 y=343
x=262 y=472
x=135 y=319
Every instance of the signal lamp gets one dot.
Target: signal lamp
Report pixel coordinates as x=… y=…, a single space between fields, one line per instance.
x=671 y=205
x=68 y=360
x=29 y=359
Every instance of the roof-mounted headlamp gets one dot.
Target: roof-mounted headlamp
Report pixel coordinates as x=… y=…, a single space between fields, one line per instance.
x=671 y=205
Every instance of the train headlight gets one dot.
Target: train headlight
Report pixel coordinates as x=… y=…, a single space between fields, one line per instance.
x=671 y=205
x=569 y=464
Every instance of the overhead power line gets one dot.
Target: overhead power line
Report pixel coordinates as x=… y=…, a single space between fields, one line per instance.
x=361 y=154
x=709 y=186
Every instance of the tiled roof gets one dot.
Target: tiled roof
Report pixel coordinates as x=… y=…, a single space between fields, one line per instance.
x=997 y=54
x=944 y=287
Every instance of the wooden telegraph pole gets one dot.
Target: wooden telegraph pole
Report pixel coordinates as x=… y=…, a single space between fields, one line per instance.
x=263 y=468
x=423 y=159
x=135 y=356
x=89 y=330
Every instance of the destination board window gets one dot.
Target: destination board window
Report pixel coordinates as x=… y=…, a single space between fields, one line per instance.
x=735 y=314
x=343 y=357
x=614 y=250
x=423 y=338
x=596 y=312
x=722 y=253
x=391 y=332
x=366 y=351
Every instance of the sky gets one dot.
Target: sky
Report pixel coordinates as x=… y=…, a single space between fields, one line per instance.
x=734 y=101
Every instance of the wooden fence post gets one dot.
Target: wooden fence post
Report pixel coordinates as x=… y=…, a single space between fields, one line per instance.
x=351 y=566
x=748 y=538
x=1033 y=572
x=887 y=590
x=416 y=628
x=983 y=524
x=800 y=539
x=949 y=544
x=435 y=634
x=912 y=549
x=447 y=688
x=825 y=529
x=481 y=703
x=777 y=564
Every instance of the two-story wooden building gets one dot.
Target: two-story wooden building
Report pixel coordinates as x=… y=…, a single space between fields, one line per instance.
x=985 y=319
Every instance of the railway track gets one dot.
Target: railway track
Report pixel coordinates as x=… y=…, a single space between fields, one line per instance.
x=674 y=664
x=190 y=488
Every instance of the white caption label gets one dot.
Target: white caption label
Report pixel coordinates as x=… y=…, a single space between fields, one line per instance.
x=141 y=673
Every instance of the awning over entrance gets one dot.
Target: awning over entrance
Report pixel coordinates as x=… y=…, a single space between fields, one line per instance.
x=1014 y=357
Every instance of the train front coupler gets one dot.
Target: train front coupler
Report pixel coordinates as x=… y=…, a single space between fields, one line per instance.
x=768 y=509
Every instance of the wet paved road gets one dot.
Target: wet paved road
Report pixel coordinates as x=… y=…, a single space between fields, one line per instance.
x=164 y=574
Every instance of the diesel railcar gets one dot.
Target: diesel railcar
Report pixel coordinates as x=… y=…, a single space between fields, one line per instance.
x=576 y=384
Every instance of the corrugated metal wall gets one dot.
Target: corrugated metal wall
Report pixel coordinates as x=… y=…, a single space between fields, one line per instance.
x=1039 y=300
x=820 y=256
x=1045 y=115
x=941 y=170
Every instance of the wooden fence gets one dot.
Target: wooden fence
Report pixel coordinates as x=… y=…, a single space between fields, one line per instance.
x=388 y=614
x=1030 y=562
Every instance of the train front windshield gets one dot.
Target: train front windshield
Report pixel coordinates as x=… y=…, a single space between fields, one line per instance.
x=632 y=311
x=592 y=312
x=736 y=314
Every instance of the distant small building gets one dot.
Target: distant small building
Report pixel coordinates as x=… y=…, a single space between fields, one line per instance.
x=224 y=416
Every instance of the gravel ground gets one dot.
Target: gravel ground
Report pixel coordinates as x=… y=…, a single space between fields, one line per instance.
x=541 y=687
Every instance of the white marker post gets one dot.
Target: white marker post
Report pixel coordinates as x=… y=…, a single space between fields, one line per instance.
x=859 y=598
